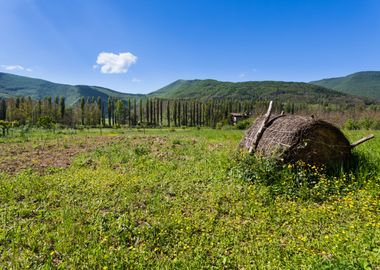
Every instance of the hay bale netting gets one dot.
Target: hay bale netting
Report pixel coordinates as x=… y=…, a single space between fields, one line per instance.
x=292 y=138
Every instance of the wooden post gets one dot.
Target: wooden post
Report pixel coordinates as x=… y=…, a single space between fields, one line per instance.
x=362 y=140
x=260 y=132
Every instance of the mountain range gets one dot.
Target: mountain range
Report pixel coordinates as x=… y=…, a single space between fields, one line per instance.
x=358 y=88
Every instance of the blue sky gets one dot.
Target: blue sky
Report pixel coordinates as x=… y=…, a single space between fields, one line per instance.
x=139 y=46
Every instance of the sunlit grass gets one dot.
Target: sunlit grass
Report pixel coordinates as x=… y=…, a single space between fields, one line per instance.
x=176 y=199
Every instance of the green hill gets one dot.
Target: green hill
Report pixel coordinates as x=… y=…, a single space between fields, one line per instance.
x=365 y=84
x=14 y=85
x=265 y=90
x=17 y=86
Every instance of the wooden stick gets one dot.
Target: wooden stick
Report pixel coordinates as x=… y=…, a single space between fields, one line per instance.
x=261 y=129
x=362 y=140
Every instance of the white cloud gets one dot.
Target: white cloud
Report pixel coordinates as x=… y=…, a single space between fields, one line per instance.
x=115 y=63
x=15 y=67
x=136 y=80
x=242 y=75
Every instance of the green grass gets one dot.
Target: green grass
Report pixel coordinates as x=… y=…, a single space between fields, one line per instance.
x=180 y=200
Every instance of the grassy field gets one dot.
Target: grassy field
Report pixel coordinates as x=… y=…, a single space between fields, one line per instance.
x=183 y=199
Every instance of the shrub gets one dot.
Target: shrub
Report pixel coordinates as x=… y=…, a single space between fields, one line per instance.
x=244 y=124
x=367 y=123
x=299 y=180
x=141 y=150
x=352 y=124
x=46 y=122
x=219 y=125
x=376 y=125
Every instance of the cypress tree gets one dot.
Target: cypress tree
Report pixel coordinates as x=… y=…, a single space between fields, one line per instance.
x=151 y=113
x=48 y=99
x=191 y=113
x=39 y=108
x=134 y=112
x=17 y=102
x=161 y=112
x=100 y=111
x=157 y=112
x=62 y=107
x=3 y=110
x=141 y=112
x=198 y=115
x=113 y=104
x=194 y=113
x=168 y=112
x=147 y=111
x=175 y=113
x=179 y=113
x=109 y=110
x=103 y=114
x=82 y=109
x=129 y=113
x=185 y=113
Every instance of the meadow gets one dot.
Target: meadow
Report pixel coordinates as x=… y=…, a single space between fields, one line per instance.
x=180 y=199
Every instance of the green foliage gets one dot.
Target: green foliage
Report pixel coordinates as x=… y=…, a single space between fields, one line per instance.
x=300 y=180
x=365 y=84
x=365 y=123
x=243 y=124
x=6 y=125
x=46 y=122
x=352 y=125
x=15 y=86
x=260 y=90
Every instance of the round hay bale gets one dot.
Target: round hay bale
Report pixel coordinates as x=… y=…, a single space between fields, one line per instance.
x=292 y=138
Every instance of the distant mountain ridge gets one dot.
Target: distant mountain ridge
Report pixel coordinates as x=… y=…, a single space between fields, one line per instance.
x=17 y=86
x=264 y=90
x=365 y=84
x=14 y=85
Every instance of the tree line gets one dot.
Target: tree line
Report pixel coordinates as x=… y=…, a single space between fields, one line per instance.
x=148 y=112
x=143 y=112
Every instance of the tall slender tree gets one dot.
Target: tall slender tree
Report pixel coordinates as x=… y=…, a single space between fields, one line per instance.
x=100 y=110
x=168 y=112
x=175 y=113
x=141 y=112
x=134 y=112
x=62 y=107
x=109 y=110
x=161 y=112
x=82 y=103
x=3 y=109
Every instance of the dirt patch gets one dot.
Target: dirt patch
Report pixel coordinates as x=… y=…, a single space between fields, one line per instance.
x=56 y=153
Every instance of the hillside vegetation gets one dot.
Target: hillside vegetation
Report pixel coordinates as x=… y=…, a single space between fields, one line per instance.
x=365 y=84
x=295 y=92
x=20 y=86
x=260 y=90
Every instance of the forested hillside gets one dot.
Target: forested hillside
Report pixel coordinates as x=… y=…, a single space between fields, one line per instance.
x=19 y=86
x=365 y=84
x=261 y=90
